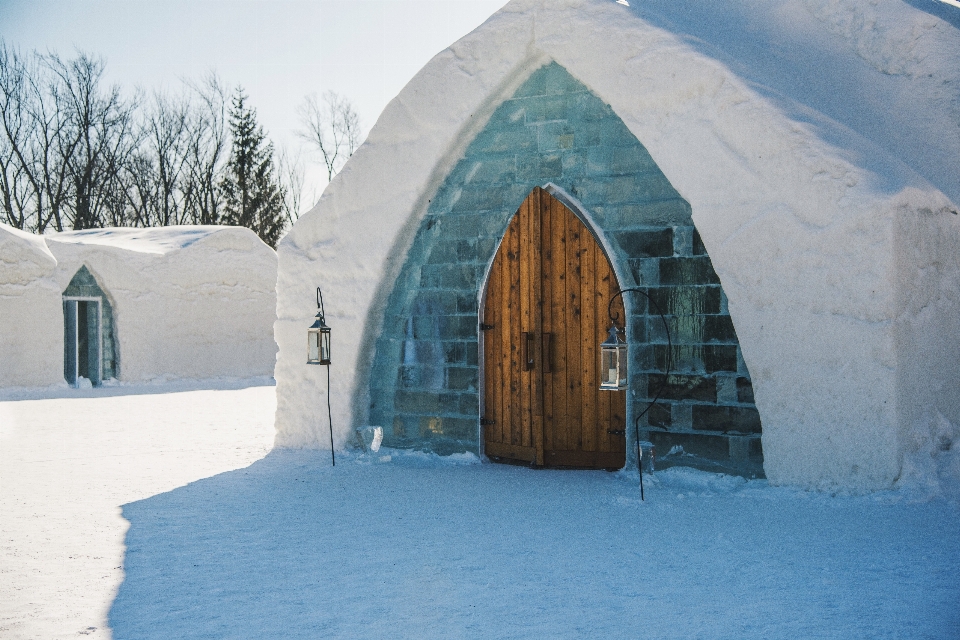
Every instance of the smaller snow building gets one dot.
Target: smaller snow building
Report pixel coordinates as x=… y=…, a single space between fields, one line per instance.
x=135 y=305
x=780 y=177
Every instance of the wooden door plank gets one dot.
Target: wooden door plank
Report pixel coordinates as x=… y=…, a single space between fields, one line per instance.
x=526 y=322
x=513 y=336
x=502 y=353
x=585 y=459
x=511 y=451
x=569 y=439
x=558 y=304
x=501 y=428
x=589 y=344
x=491 y=377
x=617 y=399
x=503 y=337
x=547 y=284
x=536 y=289
x=605 y=440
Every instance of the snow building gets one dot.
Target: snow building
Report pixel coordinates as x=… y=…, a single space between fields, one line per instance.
x=778 y=177
x=30 y=305
x=135 y=305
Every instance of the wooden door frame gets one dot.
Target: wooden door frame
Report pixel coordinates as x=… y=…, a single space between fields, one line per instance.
x=583 y=214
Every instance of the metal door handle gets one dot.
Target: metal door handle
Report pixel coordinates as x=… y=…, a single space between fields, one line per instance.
x=527 y=339
x=547 y=352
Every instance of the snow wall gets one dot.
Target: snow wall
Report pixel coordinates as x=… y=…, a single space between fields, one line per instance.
x=836 y=251
x=31 y=313
x=190 y=302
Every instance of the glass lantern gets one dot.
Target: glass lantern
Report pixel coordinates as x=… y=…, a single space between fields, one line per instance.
x=318 y=337
x=613 y=362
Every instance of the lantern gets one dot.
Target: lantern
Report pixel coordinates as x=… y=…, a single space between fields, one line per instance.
x=318 y=337
x=613 y=362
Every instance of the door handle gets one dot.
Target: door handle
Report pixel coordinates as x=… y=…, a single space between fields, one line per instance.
x=526 y=338
x=548 y=353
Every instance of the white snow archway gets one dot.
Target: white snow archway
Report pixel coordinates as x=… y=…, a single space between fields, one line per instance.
x=836 y=255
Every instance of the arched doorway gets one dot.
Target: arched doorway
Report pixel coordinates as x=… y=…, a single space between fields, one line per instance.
x=88 y=345
x=426 y=379
x=544 y=316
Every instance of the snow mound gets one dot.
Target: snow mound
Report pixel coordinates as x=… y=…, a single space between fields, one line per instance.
x=409 y=458
x=24 y=257
x=159 y=240
x=702 y=482
x=898 y=66
x=933 y=470
x=890 y=37
x=114 y=388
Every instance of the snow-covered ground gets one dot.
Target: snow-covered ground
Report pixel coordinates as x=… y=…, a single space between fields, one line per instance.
x=166 y=515
x=68 y=465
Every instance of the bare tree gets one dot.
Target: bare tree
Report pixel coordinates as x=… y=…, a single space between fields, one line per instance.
x=136 y=202
x=174 y=176
x=9 y=169
x=167 y=135
x=290 y=172
x=13 y=192
x=207 y=151
x=75 y=153
x=101 y=122
x=332 y=127
x=39 y=143
x=12 y=179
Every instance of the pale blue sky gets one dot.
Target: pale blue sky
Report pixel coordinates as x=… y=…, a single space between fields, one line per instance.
x=279 y=50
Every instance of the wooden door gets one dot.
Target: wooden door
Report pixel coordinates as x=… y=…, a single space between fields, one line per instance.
x=544 y=317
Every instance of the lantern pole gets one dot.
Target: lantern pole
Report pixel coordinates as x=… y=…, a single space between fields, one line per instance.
x=333 y=457
x=663 y=385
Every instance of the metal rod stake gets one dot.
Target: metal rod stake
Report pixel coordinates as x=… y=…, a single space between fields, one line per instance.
x=666 y=377
x=333 y=457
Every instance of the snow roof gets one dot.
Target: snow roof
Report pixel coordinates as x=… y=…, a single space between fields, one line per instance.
x=866 y=76
x=32 y=243
x=24 y=256
x=159 y=240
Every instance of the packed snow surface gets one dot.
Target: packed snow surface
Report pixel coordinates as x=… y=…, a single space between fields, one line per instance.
x=165 y=515
x=158 y=240
x=883 y=71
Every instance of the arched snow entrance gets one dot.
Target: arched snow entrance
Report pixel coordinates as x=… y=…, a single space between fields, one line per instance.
x=424 y=384
x=88 y=341
x=835 y=254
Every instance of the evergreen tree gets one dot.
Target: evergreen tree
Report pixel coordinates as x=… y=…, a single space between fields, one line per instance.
x=252 y=195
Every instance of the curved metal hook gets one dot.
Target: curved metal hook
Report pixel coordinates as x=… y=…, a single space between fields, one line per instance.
x=656 y=307
x=666 y=377
x=320 y=305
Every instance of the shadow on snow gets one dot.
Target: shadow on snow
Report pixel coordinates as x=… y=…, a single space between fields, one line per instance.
x=289 y=547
